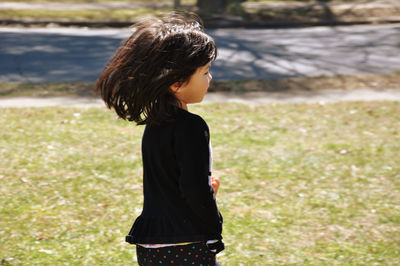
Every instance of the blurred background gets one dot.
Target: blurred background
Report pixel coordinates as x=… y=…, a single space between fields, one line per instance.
x=304 y=113
x=283 y=45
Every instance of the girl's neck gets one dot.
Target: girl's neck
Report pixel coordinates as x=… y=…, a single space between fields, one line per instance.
x=183 y=106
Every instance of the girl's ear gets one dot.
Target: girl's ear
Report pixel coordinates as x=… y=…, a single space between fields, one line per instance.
x=175 y=87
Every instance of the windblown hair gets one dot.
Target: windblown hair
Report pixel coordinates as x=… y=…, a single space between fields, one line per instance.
x=160 y=52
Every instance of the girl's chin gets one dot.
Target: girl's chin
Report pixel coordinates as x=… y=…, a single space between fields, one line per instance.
x=197 y=101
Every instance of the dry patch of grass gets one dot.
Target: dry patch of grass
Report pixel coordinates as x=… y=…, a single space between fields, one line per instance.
x=114 y=15
x=94 y=1
x=285 y=11
x=317 y=11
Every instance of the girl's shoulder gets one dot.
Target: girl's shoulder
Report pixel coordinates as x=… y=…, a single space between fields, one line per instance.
x=191 y=119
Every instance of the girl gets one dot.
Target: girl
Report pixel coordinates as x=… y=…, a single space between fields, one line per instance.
x=160 y=69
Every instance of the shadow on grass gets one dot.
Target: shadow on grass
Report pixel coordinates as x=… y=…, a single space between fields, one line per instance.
x=325 y=12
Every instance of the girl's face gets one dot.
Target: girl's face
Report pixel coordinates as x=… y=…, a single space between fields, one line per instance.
x=194 y=90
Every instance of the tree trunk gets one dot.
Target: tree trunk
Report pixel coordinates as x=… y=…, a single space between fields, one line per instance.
x=177 y=4
x=211 y=5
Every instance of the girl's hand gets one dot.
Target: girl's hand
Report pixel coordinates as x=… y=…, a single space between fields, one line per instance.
x=215 y=184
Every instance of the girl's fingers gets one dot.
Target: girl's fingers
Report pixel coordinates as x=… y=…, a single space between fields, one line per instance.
x=215 y=184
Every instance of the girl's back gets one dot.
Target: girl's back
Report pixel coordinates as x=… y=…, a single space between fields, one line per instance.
x=178 y=203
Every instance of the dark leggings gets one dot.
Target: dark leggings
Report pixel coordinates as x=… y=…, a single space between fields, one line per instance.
x=191 y=254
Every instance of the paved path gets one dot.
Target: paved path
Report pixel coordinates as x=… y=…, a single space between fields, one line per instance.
x=254 y=98
x=68 y=54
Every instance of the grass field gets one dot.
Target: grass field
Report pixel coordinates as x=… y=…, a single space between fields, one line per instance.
x=314 y=184
x=94 y=1
x=342 y=82
x=131 y=14
x=171 y=1
x=116 y=15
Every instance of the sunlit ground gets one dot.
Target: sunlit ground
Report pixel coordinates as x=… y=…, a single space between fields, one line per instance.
x=315 y=184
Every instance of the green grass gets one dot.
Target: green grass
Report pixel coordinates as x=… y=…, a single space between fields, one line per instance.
x=118 y=15
x=15 y=89
x=300 y=184
x=94 y=1
x=311 y=14
x=182 y=1
x=343 y=82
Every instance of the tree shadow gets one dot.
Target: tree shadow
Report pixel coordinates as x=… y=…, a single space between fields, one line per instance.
x=39 y=57
x=316 y=12
x=290 y=53
x=292 y=13
x=258 y=54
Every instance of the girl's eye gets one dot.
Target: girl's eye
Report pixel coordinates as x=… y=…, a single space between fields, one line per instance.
x=206 y=73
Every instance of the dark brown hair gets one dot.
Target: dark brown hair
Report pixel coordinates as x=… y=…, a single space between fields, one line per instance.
x=161 y=51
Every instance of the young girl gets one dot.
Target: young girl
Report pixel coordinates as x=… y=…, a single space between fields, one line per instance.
x=160 y=69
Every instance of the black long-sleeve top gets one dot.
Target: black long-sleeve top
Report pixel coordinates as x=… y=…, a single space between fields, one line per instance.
x=179 y=204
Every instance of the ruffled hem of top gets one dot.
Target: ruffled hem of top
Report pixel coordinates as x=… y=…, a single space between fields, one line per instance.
x=162 y=230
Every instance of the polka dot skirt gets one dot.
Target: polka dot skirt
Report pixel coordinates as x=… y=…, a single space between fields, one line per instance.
x=191 y=254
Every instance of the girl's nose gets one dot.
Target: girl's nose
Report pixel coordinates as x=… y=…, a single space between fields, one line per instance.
x=210 y=75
